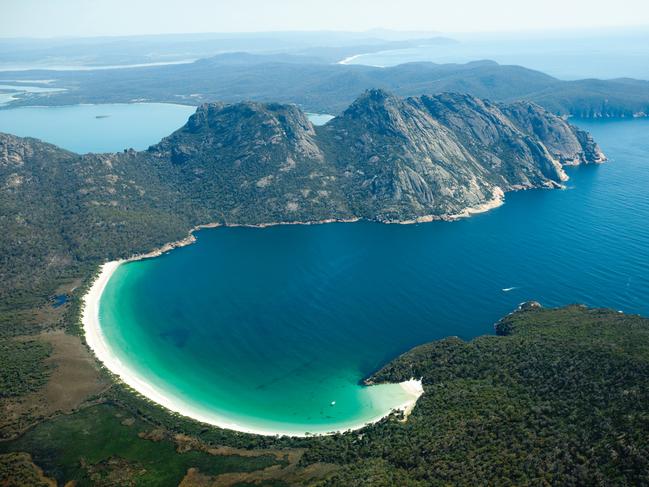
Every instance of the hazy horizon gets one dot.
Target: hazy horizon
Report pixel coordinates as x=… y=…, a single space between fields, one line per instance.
x=78 y=18
x=559 y=32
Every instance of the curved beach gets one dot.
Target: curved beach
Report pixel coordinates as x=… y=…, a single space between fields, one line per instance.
x=102 y=350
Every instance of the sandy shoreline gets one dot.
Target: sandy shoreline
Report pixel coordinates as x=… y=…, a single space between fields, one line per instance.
x=98 y=344
x=349 y=59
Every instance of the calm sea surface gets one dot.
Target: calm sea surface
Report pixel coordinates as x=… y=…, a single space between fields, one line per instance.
x=101 y=128
x=97 y=128
x=266 y=327
x=569 y=57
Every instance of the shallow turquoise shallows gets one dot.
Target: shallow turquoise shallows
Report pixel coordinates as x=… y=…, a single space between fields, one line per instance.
x=267 y=327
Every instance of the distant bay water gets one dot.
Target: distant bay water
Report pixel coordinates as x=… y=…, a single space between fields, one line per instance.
x=101 y=128
x=97 y=128
x=566 y=57
x=274 y=328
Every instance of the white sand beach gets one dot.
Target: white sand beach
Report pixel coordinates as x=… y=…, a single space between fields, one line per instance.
x=98 y=344
x=348 y=60
x=415 y=389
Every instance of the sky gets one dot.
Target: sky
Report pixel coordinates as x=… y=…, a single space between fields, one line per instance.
x=55 y=18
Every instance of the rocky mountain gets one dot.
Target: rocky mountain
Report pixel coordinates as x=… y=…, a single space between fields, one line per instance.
x=441 y=156
x=385 y=158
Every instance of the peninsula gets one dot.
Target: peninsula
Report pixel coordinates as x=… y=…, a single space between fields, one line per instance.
x=385 y=159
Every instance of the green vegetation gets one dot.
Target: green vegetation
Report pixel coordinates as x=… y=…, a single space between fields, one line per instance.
x=18 y=470
x=330 y=88
x=101 y=445
x=22 y=367
x=384 y=159
x=560 y=399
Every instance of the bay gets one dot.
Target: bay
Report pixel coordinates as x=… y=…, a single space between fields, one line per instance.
x=97 y=128
x=104 y=127
x=268 y=327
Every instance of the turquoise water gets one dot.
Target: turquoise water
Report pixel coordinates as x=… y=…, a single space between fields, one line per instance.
x=97 y=128
x=266 y=327
x=102 y=128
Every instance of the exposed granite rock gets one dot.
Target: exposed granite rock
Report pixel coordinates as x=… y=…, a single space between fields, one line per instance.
x=437 y=156
x=568 y=144
x=385 y=159
x=251 y=163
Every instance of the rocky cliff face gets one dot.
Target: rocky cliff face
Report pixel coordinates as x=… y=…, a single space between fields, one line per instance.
x=251 y=163
x=397 y=162
x=257 y=134
x=568 y=144
x=385 y=158
x=437 y=156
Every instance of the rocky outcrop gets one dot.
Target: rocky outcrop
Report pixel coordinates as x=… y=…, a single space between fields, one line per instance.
x=568 y=144
x=437 y=156
x=257 y=133
x=385 y=158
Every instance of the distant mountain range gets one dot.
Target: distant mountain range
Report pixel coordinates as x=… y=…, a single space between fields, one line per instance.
x=323 y=87
x=384 y=158
x=325 y=46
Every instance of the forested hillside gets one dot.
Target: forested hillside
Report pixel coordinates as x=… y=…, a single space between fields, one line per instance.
x=330 y=88
x=384 y=159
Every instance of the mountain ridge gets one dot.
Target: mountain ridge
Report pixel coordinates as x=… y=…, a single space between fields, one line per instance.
x=330 y=88
x=385 y=158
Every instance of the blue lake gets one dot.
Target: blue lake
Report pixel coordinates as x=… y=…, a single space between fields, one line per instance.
x=266 y=327
x=97 y=128
x=101 y=128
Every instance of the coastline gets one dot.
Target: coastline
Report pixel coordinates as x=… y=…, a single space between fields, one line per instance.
x=497 y=200
x=349 y=59
x=97 y=343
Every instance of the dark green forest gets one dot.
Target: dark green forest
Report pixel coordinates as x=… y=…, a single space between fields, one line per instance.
x=555 y=397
